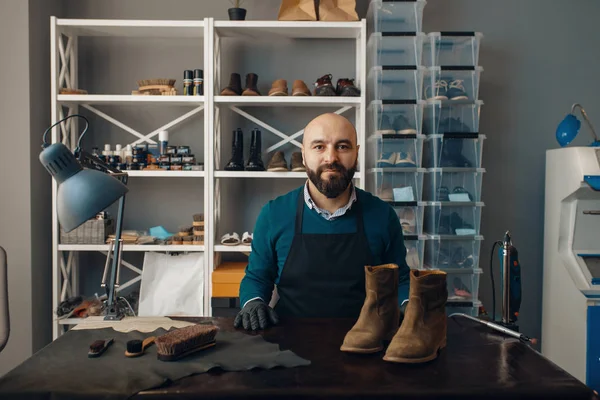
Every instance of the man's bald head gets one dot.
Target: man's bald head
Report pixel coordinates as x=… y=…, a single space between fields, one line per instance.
x=329 y=123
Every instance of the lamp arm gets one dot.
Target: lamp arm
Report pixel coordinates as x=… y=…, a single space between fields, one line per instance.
x=585 y=117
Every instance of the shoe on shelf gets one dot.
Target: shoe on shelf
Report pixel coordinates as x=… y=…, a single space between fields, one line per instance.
x=255 y=162
x=437 y=91
x=387 y=160
x=412 y=257
x=404 y=160
x=297 y=165
x=345 y=87
x=443 y=193
x=324 y=87
x=230 y=239
x=237 y=152
x=299 y=88
x=247 y=238
x=403 y=127
x=235 y=86
x=251 y=88
x=279 y=88
x=456 y=91
x=408 y=220
x=461 y=192
x=385 y=127
x=277 y=163
x=386 y=194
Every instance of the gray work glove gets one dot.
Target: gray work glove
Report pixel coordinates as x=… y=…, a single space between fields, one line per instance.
x=256 y=315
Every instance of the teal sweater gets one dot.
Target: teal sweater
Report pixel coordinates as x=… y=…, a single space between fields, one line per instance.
x=274 y=232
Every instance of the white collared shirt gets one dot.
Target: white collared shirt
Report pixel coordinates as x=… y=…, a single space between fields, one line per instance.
x=324 y=213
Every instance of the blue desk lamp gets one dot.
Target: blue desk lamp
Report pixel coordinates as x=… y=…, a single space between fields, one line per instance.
x=87 y=186
x=569 y=127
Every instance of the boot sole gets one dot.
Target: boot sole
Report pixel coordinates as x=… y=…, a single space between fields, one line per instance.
x=278 y=94
x=361 y=351
x=300 y=94
x=403 y=360
x=277 y=169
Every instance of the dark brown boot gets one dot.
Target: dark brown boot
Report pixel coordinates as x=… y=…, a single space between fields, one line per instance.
x=235 y=86
x=380 y=314
x=423 y=330
x=324 y=86
x=251 y=88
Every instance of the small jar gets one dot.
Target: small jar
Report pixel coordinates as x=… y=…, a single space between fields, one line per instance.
x=183 y=150
x=171 y=150
x=176 y=167
x=188 y=166
x=176 y=159
x=133 y=166
x=188 y=159
x=165 y=165
x=138 y=159
x=164 y=158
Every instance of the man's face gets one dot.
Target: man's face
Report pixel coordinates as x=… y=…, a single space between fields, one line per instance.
x=330 y=155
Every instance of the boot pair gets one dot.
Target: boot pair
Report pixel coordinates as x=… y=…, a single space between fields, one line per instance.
x=255 y=162
x=344 y=87
x=423 y=330
x=235 y=86
x=279 y=88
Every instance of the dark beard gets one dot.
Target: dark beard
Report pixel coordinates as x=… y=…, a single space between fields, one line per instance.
x=335 y=185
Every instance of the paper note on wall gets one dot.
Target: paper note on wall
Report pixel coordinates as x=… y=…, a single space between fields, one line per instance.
x=172 y=285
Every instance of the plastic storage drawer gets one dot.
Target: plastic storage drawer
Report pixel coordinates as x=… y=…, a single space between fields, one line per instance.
x=452 y=252
x=472 y=311
x=410 y=215
x=395 y=16
x=451 y=219
x=415 y=247
x=453 y=184
x=395 y=48
x=397 y=184
x=463 y=287
x=395 y=151
x=452 y=49
x=389 y=117
x=451 y=116
x=396 y=82
x=453 y=150
x=452 y=83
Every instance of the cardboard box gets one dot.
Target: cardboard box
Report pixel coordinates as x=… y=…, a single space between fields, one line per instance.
x=226 y=279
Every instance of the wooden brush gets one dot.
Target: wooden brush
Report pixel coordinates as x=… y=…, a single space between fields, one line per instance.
x=99 y=347
x=182 y=342
x=198 y=240
x=185 y=230
x=136 y=348
x=198 y=220
x=156 y=82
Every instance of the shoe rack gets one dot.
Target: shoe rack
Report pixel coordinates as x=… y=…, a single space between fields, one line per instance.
x=211 y=106
x=424 y=149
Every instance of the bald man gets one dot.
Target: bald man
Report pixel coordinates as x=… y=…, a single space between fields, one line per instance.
x=314 y=242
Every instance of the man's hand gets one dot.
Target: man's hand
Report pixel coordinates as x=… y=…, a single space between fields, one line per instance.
x=256 y=315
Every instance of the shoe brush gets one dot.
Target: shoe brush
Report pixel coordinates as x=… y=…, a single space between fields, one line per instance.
x=182 y=342
x=98 y=347
x=136 y=348
x=185 y=231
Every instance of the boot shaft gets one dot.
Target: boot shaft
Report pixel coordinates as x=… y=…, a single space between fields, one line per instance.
x=255 y=141
x=235 y=83
x=237 y=144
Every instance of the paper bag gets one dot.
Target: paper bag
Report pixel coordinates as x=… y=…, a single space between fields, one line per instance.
x=172 y=285
x=337 y=10
x=297 y=10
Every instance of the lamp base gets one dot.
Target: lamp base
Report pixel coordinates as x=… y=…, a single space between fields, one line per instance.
x=113 y=314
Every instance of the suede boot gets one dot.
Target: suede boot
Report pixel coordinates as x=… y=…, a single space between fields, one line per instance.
x=251 y=85
x=237 y=152
x=423 y=329
x=255 y=162
x=279 y=88
x=235 y=86
x=380 y=314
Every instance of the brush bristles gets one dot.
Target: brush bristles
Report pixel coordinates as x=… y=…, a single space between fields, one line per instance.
x=134 y=346
x=159 y=81
x=181 y=340
x=198 y=217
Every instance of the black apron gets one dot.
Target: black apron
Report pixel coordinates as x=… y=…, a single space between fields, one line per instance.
x=324 y=274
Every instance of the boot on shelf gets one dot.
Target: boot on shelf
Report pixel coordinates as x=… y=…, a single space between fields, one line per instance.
x=251 y=88
x=255 y=162
x=237 y=152
x=235 y=86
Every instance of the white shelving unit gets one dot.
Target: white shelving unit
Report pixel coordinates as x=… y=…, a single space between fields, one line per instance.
x=64 y=35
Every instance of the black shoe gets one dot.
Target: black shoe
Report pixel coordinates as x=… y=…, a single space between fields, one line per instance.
x=255 y=162
x=324 y=87
x=345 y=87
x=235 y=86
x=237 y=152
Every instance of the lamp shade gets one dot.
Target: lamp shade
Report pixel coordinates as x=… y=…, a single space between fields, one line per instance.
x=567 y=130
x=82 y=193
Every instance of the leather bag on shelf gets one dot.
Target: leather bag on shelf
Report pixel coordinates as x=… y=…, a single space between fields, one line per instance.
x=297 y=10
x=337 y=10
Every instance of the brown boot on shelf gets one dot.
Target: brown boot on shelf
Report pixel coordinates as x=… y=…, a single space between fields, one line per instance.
x=279 y=88
x=235 y=86
x=277 y=163
x=380 y=314
x=251 y=88
x=297 y=165
x=423 y=330
x=299 y=88
x=324 y=86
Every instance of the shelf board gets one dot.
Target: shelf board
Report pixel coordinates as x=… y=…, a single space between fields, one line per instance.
x=260 y=174
x=128 y=98
x=131 y=28
x=289 y=29
x=165 y=174
x=286 y=101
x=397 y=170
x=130 y=247
x=233 y=249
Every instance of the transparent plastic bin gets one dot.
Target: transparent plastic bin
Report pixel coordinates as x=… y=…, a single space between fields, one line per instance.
x=452 y=252
x=389 y=117
x=463 y=287
x=395 y=48
x=451 y=116
x=396 y=82
x=410 y=215
x=452 y=49
x=415 y=246
x=396 y=184
x=395 y=16
x=453 y=150
x=472 y=310
x=453 y=184
x=395 y=151
x=452 y=83
x=448 y=219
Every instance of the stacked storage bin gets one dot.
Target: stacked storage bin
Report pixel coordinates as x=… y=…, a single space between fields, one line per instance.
x=394 y=152
x=452 y=154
